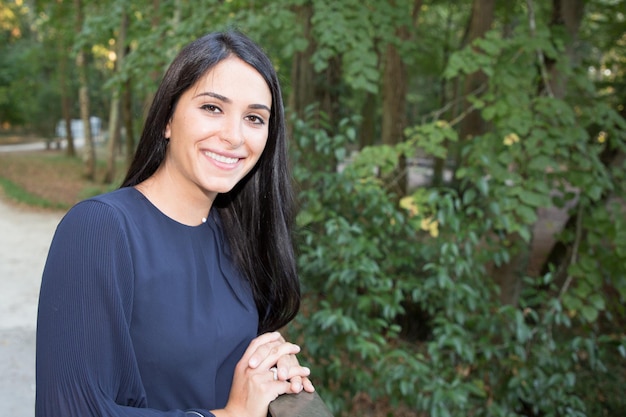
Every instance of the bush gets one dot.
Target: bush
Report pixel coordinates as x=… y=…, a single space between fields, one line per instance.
x=372 y=264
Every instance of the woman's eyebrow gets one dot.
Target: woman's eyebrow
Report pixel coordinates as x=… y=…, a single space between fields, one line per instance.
x=227 y=100
x=214 y=95
x=260 y=107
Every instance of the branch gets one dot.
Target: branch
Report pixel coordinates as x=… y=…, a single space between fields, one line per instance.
x=436 y=113
x=540 y=57
x=574 y=255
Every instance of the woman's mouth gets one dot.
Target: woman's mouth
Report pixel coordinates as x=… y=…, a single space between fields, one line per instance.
x=221 y=158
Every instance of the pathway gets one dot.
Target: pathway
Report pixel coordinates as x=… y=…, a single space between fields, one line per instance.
x=25 y=236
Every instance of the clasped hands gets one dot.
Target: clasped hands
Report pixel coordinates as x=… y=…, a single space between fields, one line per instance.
x=255 y=384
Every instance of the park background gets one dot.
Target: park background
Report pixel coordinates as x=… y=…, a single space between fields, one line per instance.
x=460 y=168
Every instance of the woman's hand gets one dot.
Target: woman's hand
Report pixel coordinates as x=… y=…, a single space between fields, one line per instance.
x=254 y=385
x=288 y=367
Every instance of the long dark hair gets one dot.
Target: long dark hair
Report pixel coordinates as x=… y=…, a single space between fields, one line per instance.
x=258 y=213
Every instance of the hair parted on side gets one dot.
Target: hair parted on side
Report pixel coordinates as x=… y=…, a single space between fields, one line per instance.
x=258 y=213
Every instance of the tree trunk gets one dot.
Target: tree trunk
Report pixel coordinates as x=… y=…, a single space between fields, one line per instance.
x=439 y=164
x=368 y=132
x=66 y=104
x=114 y=137
x=480 y=22
x=327 y=94
x=394 y=113
x=89 y=155
x=156 y=74
x=127 y=113
x=567 y=14
x=507 y=276
x=394 y=107
x=302 y=74
x=306 y=90
x=114 y=116
x=309 y=87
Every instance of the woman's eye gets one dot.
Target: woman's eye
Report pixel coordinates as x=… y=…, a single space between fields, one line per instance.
x=255 y=119
x=211 y=108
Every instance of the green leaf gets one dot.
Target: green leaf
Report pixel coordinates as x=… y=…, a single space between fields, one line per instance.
x=597 y=301
x=526 y=214
x=532 y=198
x=540 y=163
x=589 y=313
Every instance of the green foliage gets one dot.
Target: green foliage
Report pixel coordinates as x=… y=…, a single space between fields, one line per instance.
x=431 y=138
x=24 y=67
x=354 y=243
x=367 y=261
x=346 y=29
x=541 y=147
x=362 y=259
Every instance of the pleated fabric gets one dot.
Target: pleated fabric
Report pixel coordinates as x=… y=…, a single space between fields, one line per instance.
x=139 y=315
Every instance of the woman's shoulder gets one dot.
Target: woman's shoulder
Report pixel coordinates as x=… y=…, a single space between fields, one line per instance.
x=108 y=207
x=122 y=198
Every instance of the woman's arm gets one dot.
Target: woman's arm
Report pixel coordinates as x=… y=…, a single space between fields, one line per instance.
x=85 y=361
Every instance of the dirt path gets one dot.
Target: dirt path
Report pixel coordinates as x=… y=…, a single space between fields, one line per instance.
x=25 y=236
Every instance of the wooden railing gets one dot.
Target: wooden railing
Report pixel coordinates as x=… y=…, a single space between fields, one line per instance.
x=304 y=404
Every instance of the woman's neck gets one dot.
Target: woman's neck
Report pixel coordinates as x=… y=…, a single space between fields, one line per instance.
x=186 y=204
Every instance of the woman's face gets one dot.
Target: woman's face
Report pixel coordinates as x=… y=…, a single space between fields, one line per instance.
x=219 y=128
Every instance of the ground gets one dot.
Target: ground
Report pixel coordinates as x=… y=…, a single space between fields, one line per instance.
x=24 y=243
x=51 y=176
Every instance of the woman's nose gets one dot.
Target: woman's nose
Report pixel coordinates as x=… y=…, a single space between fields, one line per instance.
x=232 y=132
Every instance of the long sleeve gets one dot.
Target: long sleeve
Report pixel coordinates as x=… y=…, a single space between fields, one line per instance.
x=86 y=364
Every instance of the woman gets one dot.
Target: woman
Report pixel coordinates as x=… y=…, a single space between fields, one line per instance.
x=163 y=298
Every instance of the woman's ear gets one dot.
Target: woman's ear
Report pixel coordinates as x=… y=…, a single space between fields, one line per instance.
x=167 y=133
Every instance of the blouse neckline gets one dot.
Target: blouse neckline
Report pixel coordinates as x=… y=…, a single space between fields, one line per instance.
x=209 y=218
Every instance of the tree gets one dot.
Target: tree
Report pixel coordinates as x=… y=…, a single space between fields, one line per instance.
x=26 y=62
x=114 y=114
x=480 y=22
x=59 y=15
x=475 y=353
x=302 y=75
x=89 y=155
x=394 y=92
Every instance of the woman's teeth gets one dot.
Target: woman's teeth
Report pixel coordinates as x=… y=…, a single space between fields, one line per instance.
x=221 y=158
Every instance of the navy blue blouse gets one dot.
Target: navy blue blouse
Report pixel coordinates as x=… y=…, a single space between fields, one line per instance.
x=139 y=315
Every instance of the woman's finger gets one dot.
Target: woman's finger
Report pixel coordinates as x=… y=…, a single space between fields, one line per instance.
x=289 y=367
x=251 y=356
x=270 y=353
x=307 y=385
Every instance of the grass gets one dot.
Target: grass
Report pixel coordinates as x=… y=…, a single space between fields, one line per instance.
x=50 y=179
x=17 y=193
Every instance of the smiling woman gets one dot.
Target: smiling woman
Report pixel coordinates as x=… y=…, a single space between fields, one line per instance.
x=216 y=134
x=163 y=298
